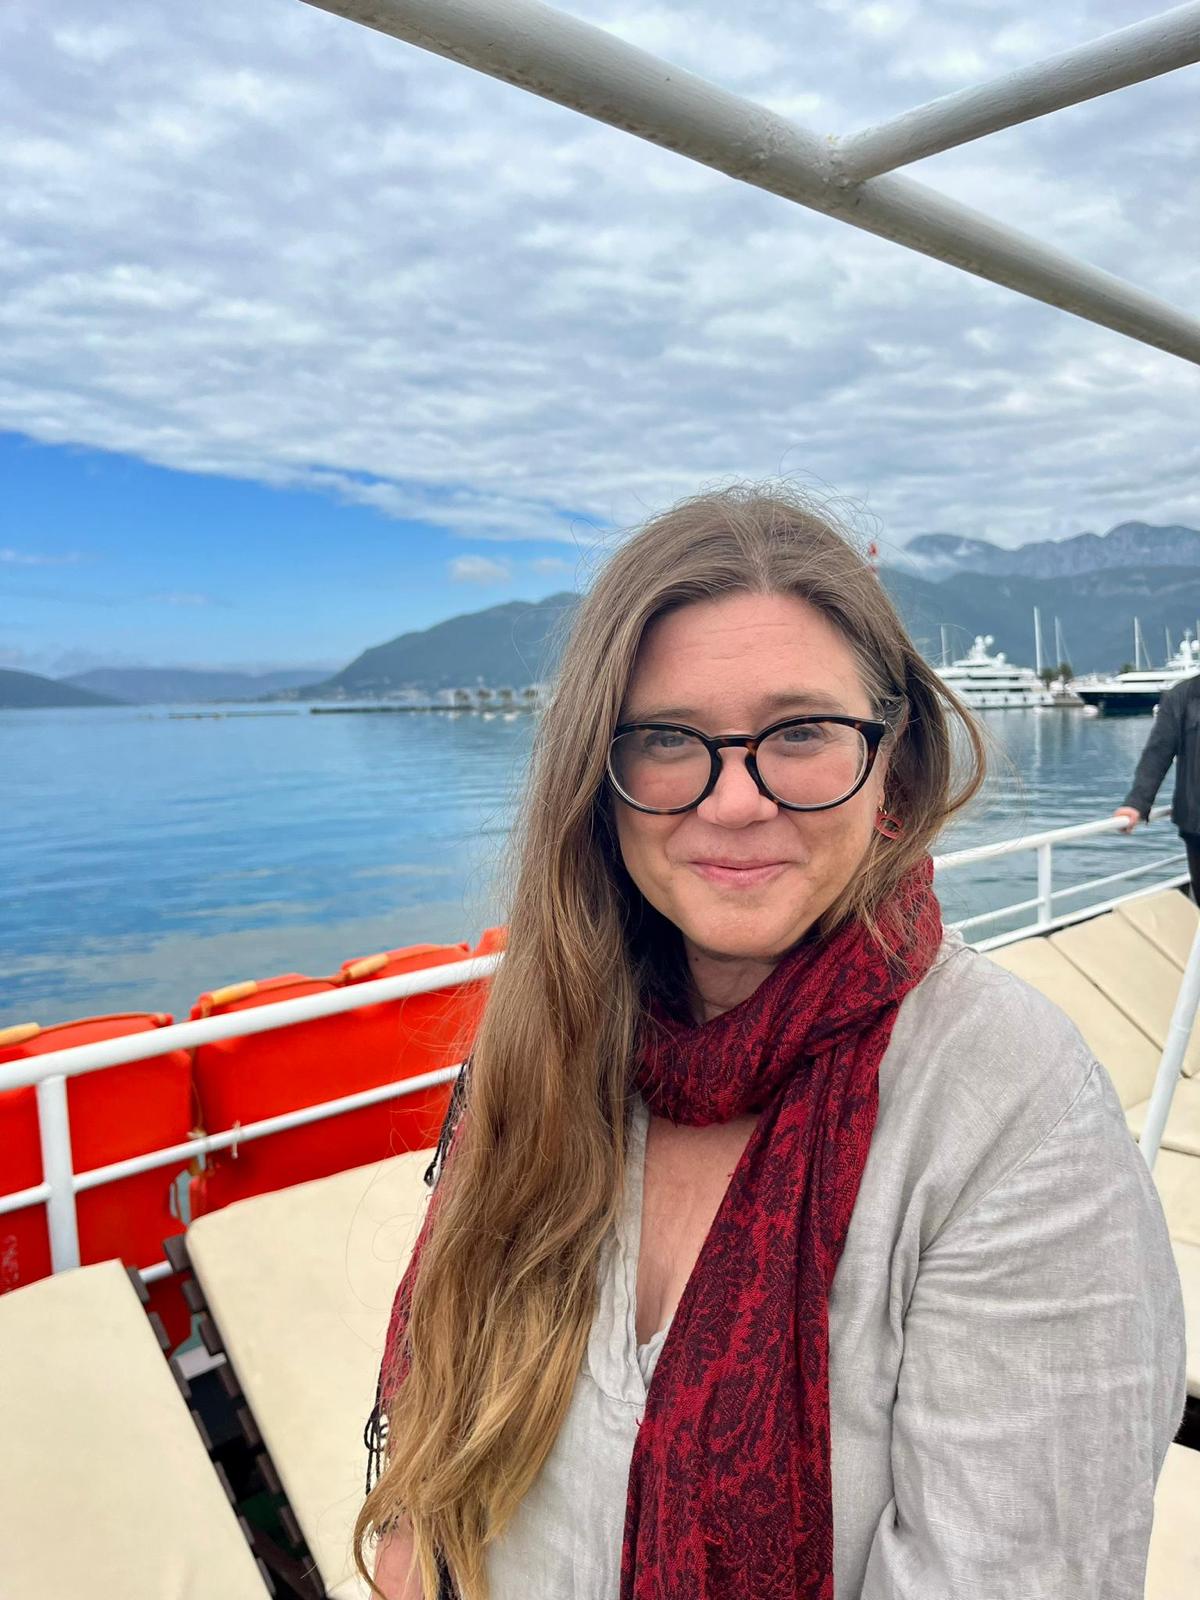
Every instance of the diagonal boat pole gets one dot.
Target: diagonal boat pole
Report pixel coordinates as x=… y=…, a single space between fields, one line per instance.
x=544 y=51
x=1130 y=55
x=1170 y=1066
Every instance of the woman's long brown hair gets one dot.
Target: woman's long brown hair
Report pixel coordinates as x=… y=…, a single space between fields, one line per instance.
x=505 y=1298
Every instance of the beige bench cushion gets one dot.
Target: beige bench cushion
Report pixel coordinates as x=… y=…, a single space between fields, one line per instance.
x=1178 y=1181
x=1182 y=1131
x=1173 y=1570
x=1126 y=967
x=1187 y=1259
x=1130 y=1058
x=301 y=1283
x=105 y=1487
x=1168 y=920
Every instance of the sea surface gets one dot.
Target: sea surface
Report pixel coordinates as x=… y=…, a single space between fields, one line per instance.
x=147 y=855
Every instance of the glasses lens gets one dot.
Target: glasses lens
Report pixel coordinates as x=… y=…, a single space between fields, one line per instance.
x=812 y=763
x=659 y=768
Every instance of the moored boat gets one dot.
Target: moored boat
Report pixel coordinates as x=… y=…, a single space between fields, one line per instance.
x=1139 y=691
x=988 y=682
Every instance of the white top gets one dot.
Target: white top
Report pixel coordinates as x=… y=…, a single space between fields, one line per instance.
x=1006 y=1332
x=565 y=1541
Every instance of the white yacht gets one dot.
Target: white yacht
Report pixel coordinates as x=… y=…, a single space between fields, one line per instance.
x=991 y=682
x=1127 y=693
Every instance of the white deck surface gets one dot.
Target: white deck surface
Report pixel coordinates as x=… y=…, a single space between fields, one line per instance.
x=106 y=1491
x=1173 y=1571
x=1168 y=920
x=301 y=1283
x=1134 y=973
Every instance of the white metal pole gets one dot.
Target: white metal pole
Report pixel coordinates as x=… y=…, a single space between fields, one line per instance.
x=1130 y=55
x=54 y=1128
x=1045 y=883
x=560 y=58
x=1037 y=639
x=1183 y=1019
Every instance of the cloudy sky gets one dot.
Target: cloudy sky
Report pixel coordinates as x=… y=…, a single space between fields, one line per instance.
x=307 y=337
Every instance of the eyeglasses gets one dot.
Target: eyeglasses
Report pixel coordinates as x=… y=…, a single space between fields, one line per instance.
x=802 y=763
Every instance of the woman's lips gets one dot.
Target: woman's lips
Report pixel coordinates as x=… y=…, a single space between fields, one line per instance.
x=746 y=877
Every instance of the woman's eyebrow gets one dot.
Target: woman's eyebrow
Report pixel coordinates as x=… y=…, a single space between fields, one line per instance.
x=779 y=702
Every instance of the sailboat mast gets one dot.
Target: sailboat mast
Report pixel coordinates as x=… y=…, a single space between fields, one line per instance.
x=1037 y=641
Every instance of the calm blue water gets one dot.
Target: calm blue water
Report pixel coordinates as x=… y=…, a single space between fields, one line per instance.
x=146 y=857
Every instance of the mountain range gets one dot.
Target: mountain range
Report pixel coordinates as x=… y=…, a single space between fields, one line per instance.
x=29 y=691
x=943 y=585
x=160 y=686
x=1129 y=544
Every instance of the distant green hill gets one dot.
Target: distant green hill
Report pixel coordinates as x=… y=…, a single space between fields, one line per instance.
x=27 y=691
x=515 y=644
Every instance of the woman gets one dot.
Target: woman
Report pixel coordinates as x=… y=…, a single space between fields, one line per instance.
x=785 y=1247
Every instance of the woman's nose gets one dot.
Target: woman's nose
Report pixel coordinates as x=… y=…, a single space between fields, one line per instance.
x=736 y=799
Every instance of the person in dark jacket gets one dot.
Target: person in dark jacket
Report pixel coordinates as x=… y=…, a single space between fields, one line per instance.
x=1174 y=737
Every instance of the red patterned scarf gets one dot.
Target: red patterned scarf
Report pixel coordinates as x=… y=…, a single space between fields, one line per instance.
x=729 y=1487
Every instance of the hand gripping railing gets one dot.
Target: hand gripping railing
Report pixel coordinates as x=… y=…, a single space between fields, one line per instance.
x=560 y=58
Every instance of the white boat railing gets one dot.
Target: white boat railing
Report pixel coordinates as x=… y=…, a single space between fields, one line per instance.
x=49 y=1073
x=1043 y=902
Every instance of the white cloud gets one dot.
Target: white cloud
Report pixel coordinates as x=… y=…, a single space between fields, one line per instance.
x=550 y=566
x=478 y=569
x=263 y=242
x=28 y=558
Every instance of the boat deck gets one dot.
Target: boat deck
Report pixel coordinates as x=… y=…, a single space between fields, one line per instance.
x=295 y=1290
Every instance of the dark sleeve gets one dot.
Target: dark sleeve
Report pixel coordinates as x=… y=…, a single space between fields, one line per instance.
x=1161 y=749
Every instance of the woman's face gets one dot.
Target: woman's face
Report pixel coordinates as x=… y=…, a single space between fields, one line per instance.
x=740 y=877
